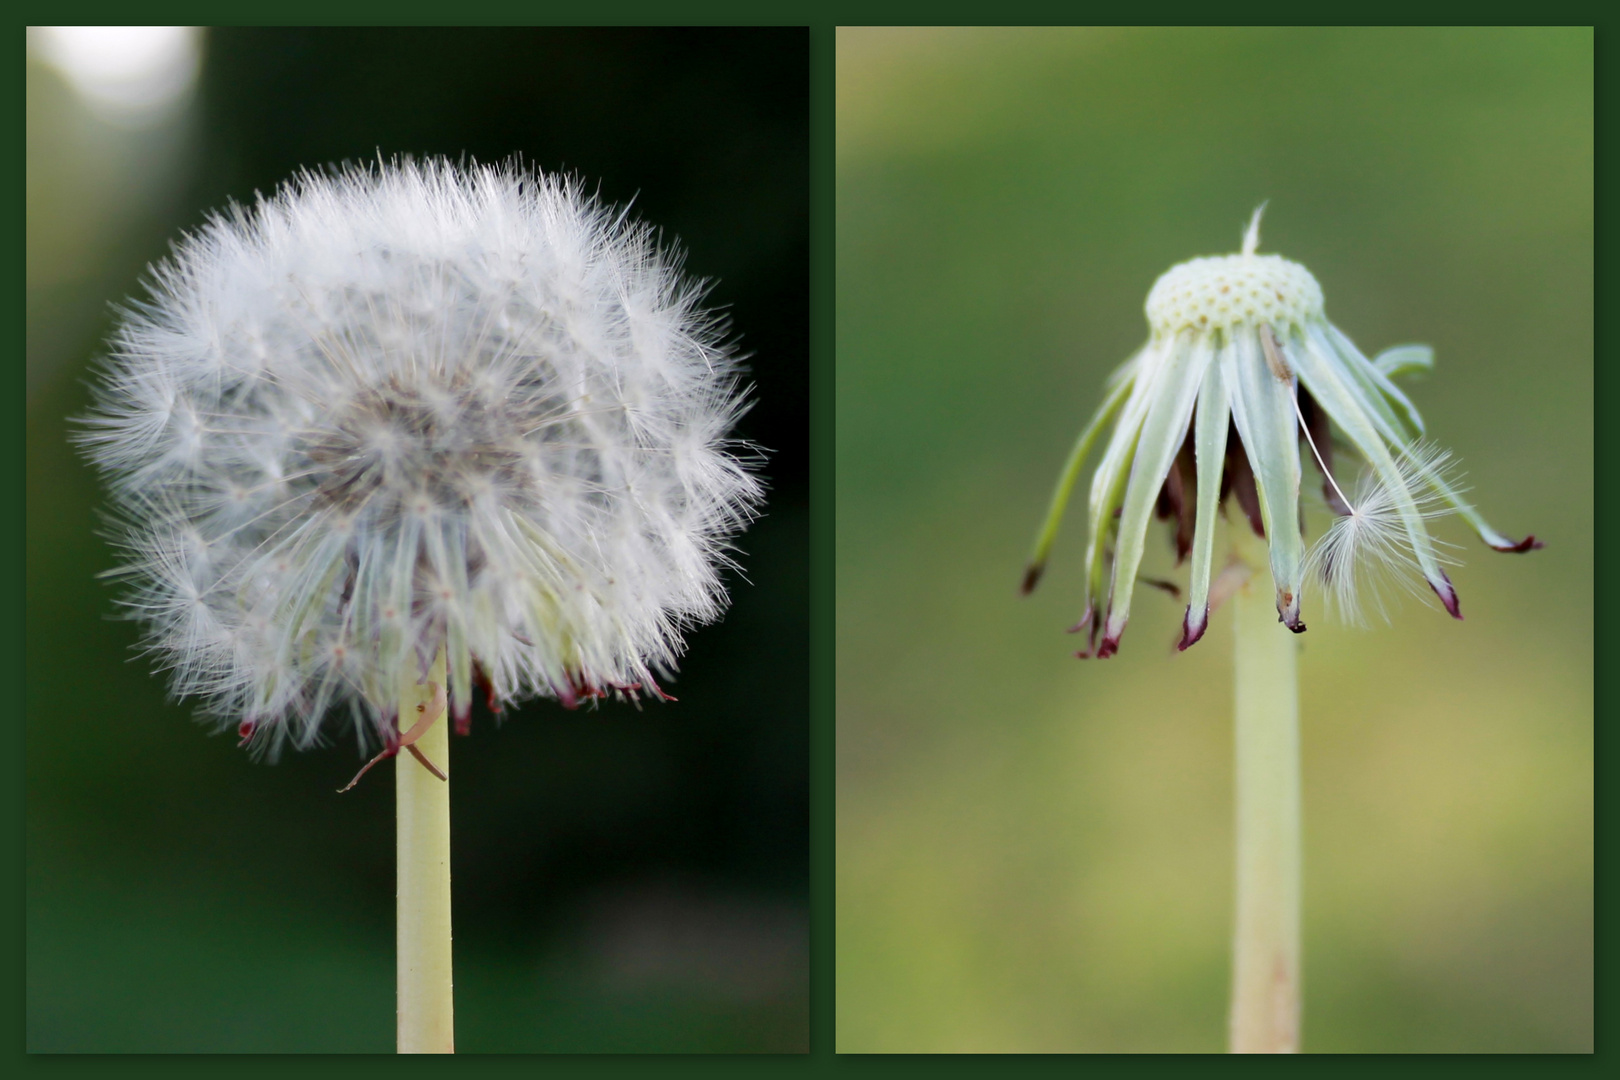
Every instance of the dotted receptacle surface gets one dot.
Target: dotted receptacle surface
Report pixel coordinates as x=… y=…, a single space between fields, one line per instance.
x=1231 y=291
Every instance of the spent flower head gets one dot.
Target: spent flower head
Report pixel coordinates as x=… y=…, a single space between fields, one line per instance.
x=414 y=407
x=1241 y=377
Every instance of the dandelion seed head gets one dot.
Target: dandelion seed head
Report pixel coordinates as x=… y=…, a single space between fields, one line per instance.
x=413 y=406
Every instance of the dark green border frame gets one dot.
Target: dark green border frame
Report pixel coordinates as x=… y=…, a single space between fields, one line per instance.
x=822 y=1060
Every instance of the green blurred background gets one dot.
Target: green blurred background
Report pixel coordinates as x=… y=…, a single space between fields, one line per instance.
x=624 y=880
x=1034 y=853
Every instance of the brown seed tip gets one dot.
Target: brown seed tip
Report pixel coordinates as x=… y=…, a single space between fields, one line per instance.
x=1448 y=594
x=1189 y=636
x=1288 y=611
x=1032 y=574
x=1529 y=543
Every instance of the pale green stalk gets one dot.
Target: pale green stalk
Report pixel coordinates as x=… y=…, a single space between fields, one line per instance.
x=422 y=811
x=1266 y=947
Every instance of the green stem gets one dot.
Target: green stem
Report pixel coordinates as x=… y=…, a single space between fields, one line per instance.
x=422 y=838
x=1266 y=961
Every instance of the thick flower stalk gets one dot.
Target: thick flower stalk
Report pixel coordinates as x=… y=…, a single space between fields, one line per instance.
x=418 y=407
x=1241 y=367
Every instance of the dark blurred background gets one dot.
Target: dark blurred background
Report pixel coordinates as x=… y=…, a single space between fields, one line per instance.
x=624 y=880
x=1035 y=853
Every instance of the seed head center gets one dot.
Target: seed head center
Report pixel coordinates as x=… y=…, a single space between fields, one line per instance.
x=402 y=445
x=1230 y=291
